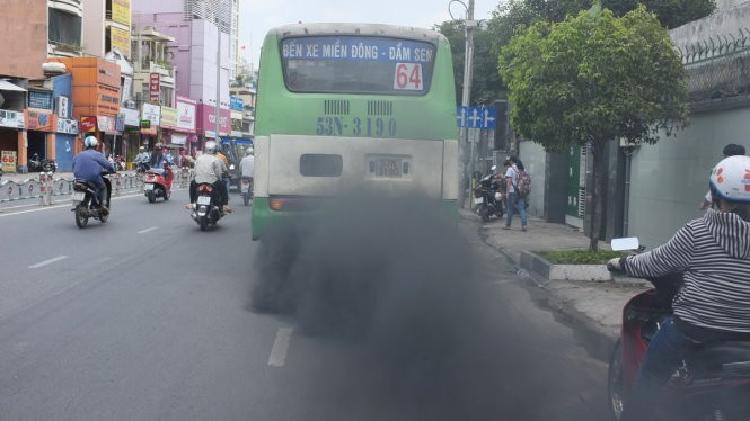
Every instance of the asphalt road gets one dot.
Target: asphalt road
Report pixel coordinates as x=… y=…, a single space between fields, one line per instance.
x=147 y=318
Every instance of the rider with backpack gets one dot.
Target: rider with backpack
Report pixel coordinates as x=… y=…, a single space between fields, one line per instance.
x=518 y=186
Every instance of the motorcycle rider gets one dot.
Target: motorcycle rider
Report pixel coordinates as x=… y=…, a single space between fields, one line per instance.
x=88 y=166
x=209 y=169
x=730 y=149
x=247 y=165
x=713 y=252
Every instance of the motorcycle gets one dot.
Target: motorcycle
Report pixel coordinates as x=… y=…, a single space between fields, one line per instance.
x=141 y=166
x=119 y=163
x=488 y=198
x=86 y=202
x=711 y=384
x=246 y=189
x=49 y=165
x=207 y=208
x=158 y=183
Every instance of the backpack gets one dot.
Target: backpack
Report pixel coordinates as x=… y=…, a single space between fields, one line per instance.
x=524 y=183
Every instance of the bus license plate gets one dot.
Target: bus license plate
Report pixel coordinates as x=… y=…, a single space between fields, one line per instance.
x=79 y=196
x=148 y=186
x=388 y=168
x=204 y=200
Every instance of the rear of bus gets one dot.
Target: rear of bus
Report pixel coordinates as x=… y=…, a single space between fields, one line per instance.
x=344 y=106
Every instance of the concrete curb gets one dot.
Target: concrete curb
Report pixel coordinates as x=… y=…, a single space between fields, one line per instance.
x=598 y=342
x=538 y=264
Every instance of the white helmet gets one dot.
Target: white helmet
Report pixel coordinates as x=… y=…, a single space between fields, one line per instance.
x=250 y=151
x=91 y=141
x=730 y=179
x=210 y=147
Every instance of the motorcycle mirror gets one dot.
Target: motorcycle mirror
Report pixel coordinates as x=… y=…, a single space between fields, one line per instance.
x=623 y=244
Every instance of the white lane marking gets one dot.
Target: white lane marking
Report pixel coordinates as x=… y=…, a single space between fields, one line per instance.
x=148 y=230
x=280 y=347
x=46 y=262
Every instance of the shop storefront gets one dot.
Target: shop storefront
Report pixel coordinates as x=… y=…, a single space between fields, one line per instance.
x=185 y=131
x=131 y=134
x=12 y=135
x=67 y=130
x=206 y=118
x=96 y=94
x=150 y=121
x=40 y=134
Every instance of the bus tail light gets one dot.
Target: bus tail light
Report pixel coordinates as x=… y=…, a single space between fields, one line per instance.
x=277 y=204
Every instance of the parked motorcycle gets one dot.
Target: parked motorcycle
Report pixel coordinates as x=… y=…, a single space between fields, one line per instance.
x=158 y=183
x=49 y=165
x=119 y=163
x=246 y=189
x=488 y=198
x=711 y=384
x=207 y=208
x=86 y=203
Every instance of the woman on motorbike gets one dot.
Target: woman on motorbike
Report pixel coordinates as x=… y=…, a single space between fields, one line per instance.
x=713 y=253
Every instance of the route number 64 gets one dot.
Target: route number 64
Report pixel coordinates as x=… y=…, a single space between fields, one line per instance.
x=408 y=77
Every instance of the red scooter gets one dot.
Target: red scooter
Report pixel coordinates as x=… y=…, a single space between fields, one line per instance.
x=158 y=183
x=712 y=384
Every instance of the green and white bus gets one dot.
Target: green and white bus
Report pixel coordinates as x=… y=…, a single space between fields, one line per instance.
x=352 y=104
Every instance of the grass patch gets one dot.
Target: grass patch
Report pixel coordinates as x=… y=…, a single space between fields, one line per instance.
x=580 y=257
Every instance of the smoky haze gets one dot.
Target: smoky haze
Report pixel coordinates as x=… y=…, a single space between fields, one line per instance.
x=396 y=277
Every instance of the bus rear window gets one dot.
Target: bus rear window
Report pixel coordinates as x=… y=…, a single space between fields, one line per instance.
x=321 y=165
x=357 y=64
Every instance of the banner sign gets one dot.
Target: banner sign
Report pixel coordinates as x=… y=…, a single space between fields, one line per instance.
x=87 y=124
x=8 y=161
x=169 y=118
x=106 y=124
x=39 y=121
x=154 y=86
x=185 y=114
x=14 y=119
x=357 y=48
x=67 y=125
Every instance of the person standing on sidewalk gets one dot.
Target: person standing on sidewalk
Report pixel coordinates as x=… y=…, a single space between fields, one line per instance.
x=513 y=198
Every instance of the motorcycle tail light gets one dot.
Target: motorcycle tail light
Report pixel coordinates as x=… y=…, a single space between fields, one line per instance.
x=205 y=189
x=79 y=187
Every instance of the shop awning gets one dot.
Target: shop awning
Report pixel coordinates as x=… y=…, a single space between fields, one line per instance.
x=8 y=86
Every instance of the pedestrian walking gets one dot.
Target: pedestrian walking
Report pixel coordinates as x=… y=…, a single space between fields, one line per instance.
x=512 y=195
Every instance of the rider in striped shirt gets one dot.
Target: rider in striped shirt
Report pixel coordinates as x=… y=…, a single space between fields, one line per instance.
x=713 y=252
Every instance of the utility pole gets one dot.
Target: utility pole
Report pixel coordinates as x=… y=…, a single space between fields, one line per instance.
x=219 y=16
x=470 y=24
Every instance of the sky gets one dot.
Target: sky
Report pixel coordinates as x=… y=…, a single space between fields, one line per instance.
x=258 y=16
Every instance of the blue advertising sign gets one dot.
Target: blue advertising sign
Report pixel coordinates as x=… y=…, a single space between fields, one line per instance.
x=476 y=117
x=354 y=48
x=236 y=103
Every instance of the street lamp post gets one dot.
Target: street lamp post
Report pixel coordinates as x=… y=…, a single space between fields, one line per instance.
x=219 y=16
x=470 y=24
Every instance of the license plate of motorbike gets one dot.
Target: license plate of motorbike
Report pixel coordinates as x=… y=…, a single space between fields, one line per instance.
x=204 y=200
x=498 y=196
x=388 y=168
x=148 y=187
x=478 y=200
x=79 y=196
x=245 y=186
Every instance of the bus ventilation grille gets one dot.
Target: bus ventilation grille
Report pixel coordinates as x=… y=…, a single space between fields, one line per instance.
x=336 y=107
x=379 y=108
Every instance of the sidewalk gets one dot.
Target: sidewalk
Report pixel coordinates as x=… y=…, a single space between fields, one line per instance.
x=593 y=306
x=20 y=177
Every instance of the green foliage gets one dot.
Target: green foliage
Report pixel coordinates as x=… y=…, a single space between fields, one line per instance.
x=580 y=257
x=594 y=77
x=486 y=86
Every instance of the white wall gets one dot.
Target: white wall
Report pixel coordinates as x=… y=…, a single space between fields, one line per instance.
x=203 y=69
x=534 y=159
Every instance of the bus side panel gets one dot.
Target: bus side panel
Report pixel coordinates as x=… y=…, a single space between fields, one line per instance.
x=450 y=170
x=261 y=204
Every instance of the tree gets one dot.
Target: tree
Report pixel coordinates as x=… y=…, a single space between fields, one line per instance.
x=594 y=78
x=486 y=85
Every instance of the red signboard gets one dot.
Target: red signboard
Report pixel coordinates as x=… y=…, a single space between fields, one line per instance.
x=87 y=125
x=154 y=86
